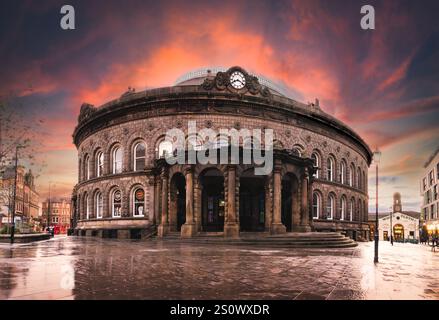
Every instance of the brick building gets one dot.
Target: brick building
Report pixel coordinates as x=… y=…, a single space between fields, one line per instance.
x=27 y=198
x=127 y=186
x=59 y=214
x=429 y=188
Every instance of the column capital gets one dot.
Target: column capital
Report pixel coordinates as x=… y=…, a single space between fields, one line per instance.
x=188 y=169
x=164 y=173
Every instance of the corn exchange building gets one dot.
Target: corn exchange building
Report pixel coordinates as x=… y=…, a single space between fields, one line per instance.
x=127 y=189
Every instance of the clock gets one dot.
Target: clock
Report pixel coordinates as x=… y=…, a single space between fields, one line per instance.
x=237 y=80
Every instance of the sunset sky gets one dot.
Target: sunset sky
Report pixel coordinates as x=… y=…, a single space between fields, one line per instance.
x=384 y=83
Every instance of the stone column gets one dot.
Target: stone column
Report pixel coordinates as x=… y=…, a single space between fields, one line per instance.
x=268 y=211
x=304 y=221
x=276 y=226
x=189 y=229
x=231 y=226
x=164 y=225
x=157 y=189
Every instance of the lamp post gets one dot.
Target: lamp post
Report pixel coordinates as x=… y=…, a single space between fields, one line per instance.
x=48 y=208
x=376 y=159
x=391 y=226
x=14 y=195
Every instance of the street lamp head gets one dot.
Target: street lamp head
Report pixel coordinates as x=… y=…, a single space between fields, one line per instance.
x=376 y=155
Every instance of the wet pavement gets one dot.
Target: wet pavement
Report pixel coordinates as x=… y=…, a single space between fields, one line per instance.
x=90 y=268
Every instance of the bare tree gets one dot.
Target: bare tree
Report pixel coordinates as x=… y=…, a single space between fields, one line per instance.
x=18 y=129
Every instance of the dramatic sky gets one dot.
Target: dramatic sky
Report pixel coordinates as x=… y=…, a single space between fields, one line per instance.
x=383 y=83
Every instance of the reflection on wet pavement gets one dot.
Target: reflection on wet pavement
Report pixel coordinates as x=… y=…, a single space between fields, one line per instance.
x=90 y=268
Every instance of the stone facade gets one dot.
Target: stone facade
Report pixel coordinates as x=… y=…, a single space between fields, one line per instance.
x=429 y=188
x=301 y=133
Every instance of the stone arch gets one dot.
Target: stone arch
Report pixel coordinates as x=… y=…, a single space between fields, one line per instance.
x=299 y=148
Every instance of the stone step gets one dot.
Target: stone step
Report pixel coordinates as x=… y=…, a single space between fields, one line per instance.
x=287 y=240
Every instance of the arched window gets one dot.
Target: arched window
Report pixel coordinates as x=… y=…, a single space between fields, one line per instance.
x=87 y=167
x=316 y=205
x=139 y=202
x=99 y=205
x=139 y=156
x=342 y=171
x=330 y=207
x=330 y=169
x=360 y=211
x=351 y=209
x=365 y=211
x=343 y=205
x=298 y=150
x=99 y=164
x=364 y=181
x=317 y=163
x=87 y=207
x=117 y=160
x=165 y=149
x=359 y=178
x=116 y=203
x=351 y=175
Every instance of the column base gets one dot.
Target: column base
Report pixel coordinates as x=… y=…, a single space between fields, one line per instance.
x=231 y=231
x=188 y=230
x=302 y=228
x=162 y=230
x=278 y=228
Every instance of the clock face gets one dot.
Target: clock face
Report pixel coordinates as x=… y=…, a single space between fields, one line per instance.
x=237 y=80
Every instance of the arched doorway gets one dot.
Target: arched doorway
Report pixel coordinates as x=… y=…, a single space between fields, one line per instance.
x=212 y=200
x=398 y=232
x=251 y=201
x=178 y=201
x=289 y=201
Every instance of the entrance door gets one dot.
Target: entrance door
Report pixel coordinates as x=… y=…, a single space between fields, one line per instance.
x=213 y=210
x=287 y=203
x=212 y=203
x=251 y=202
x=398 y=232
x=181 y=210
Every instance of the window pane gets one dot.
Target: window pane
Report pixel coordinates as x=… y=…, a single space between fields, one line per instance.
x=117 y=160
x=140 y=150
x=117 y=203
x=139 y=202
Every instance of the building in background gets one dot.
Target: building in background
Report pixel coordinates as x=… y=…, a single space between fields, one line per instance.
x=26 y=200
x=59 y=215
x=403 y=225
x=429 y=191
